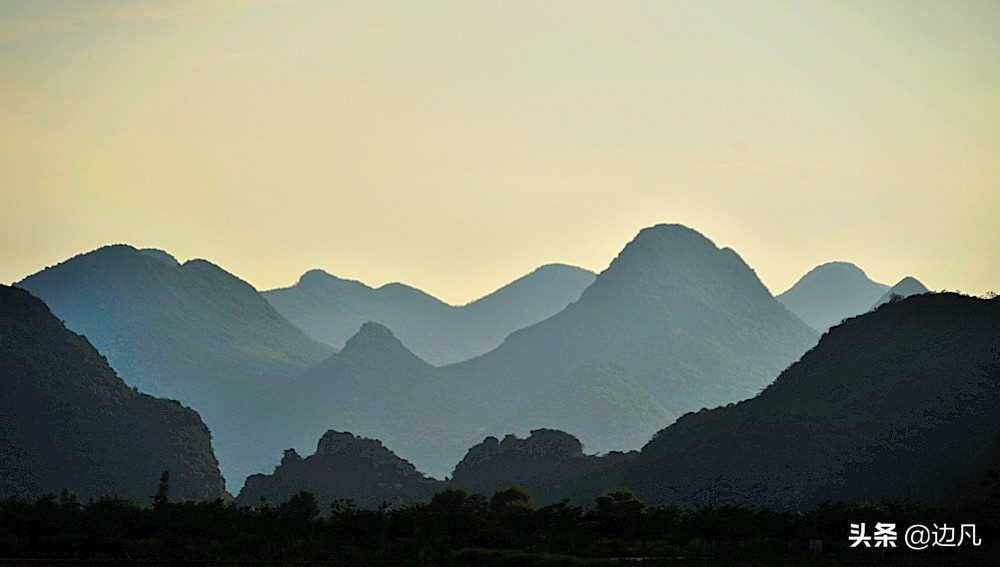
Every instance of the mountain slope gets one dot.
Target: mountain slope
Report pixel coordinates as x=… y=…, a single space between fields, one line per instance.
x=191 y=332
x=604 y=407
x=895 y=404
x=830 y=293
x=330 y=310
x=67 y=421
x=690 y=322
x=376 y=387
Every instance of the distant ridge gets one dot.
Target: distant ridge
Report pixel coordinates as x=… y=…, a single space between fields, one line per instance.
x=330 y=310
x=830 y=293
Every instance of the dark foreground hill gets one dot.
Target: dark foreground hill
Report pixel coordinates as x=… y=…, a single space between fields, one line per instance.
x=897 y=404
x=343 y=467
x=688 y=322
x=67 y=421
x=549 y=464
x=830 y=293
x=191 y=332
x=330 y=310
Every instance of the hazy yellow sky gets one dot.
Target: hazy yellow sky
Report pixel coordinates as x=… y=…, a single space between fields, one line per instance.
x=457 y=145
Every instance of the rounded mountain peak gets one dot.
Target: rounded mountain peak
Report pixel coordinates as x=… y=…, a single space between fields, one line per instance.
x=673 y=256
x=838 y=267
x=318 y=276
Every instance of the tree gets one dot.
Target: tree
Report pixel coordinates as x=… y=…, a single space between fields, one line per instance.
x=162 y=496
x=513 y=499
x=302 y=503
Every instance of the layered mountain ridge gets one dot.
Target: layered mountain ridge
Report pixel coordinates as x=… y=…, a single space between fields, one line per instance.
x=331 y=309
x=690 y=322
x=192 y=332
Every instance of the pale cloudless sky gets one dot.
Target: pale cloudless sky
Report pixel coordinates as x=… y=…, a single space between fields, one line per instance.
x=457 y=145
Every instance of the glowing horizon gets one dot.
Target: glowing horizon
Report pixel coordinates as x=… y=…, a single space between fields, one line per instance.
x=455 y=147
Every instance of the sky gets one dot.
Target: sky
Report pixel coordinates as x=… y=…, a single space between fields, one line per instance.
x=455 y=146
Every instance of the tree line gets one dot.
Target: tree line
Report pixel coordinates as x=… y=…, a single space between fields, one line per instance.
x=459 y=528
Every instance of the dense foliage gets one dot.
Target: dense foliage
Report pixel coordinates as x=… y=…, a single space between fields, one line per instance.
x=456 y=528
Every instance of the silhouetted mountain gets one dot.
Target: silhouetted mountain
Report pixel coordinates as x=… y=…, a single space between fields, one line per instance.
x=896 y=404
x=904 y=288
x=376 y=387
x=830 y=293
x=67 y=421
x=330 y=310
x=690 y=322
x=343 y=467
x=600 y=403
x=192 y=332
x=549 y=463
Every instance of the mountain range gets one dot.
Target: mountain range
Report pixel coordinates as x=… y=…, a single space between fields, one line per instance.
x=689 y=323
x=895 y=405
x=192 y=332
x=675 y=324
x=331 y=310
